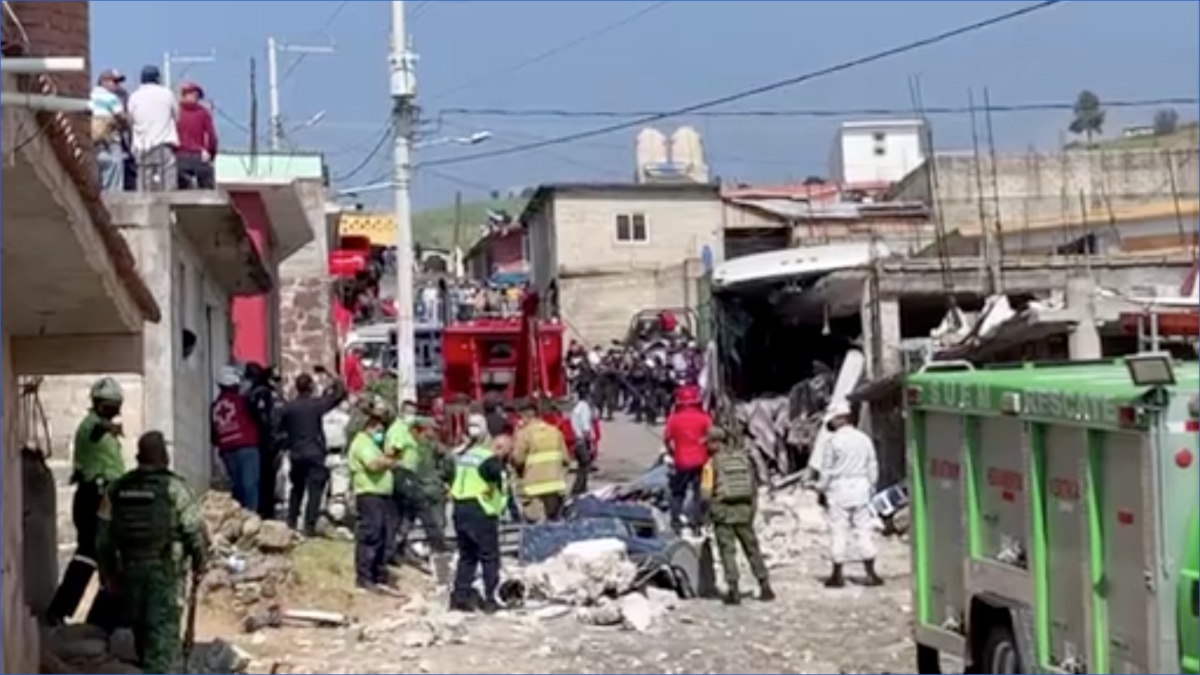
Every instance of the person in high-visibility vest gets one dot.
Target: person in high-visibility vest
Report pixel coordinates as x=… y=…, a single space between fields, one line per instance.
x=540 y=458
x=480 y=496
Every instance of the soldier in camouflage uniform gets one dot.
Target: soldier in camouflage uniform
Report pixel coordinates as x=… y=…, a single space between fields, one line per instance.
x=731 y=510
x=150 y=529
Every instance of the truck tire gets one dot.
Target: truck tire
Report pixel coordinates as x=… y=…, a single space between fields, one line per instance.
x=1000 y=655
x=929 y=660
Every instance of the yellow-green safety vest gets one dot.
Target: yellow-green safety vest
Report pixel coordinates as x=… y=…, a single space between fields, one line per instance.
x=468 y=484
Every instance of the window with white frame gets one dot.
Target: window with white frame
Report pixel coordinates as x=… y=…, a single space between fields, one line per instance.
x=631 y=227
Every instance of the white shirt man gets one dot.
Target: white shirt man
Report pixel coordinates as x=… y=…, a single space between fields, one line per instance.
x=153 y=112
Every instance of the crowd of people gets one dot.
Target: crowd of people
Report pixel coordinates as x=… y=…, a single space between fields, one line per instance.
x=512 y=462
x=639 y=378
x=151 y=139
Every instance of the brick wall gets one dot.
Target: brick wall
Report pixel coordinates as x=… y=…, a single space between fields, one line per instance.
x=60 y=29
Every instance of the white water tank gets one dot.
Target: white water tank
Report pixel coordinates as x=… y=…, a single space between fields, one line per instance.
x=651 y=151
x=687 y=154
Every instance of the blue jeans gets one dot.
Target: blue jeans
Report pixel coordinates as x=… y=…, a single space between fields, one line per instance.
x=243 y=468
x=111 y=164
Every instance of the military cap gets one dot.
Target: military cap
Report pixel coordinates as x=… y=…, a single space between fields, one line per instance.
x=716 y=434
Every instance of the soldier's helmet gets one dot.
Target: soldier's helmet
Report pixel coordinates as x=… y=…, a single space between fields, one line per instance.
x=107 y=389
x=716 y=434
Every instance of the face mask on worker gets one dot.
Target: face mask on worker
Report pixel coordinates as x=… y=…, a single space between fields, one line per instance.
x=377 y=436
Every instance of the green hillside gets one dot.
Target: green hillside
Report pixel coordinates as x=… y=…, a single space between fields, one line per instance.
x=435 y=227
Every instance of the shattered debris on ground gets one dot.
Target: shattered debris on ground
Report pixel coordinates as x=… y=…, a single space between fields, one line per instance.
x=250 y=561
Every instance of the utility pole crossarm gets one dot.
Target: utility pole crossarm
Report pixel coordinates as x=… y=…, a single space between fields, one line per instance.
x=274 y=47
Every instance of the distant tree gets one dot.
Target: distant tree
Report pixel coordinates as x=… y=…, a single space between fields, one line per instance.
x=814 y=180
x=495 y=195
x=1089 y=116
x=1166 y=122
x=527 y=192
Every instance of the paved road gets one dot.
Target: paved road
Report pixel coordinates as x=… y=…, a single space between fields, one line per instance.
x=626 y=449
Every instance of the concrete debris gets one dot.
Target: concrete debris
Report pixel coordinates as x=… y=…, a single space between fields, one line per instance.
x=82 y=648
x=607 y=613
x=637 y=612
x=582 y=574
x=789 y=522
x=250 y=558
x=219 y=656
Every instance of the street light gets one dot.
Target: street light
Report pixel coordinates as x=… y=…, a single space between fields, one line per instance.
x=473 y=139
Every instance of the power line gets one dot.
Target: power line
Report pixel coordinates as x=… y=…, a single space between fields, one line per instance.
x=366 y=161
x=730 y=98
x=457 y=180
x=555 y=51
x=832 y=112
x=332 y=19
x=420 y=8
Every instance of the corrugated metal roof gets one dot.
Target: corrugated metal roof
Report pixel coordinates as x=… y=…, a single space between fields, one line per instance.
x=791 y=209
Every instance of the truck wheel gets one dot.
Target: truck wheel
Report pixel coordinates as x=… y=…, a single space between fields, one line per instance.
x=929 y=660
x=1000 y=655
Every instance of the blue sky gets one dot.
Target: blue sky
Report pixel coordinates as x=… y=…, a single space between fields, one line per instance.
x=672 y=56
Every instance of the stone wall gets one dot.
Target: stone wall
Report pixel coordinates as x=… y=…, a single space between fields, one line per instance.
x=307 y=334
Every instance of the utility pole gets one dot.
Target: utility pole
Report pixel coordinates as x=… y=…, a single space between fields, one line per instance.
x=169 y=60
x=275 y=121
x=458 y=223
x=403 y=87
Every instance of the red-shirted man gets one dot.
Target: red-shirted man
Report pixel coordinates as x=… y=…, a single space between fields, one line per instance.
x=683 y=436
x=235 y=436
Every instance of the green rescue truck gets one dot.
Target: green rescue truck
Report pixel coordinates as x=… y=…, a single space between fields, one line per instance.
x=1054 y=516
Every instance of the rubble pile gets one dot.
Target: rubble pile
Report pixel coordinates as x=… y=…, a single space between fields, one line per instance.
x=250 y=557
x=597 y=579
x=582 y=574
x=82 y=648
x=789 y=523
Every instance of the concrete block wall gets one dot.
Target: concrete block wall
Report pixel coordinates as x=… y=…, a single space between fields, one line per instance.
x=598 y=308
x=20 y=633
x=1035 y=188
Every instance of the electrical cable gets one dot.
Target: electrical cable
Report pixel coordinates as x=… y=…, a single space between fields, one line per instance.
x=554 y=51
x=762 y=89
x=832 y=112
x=366 y=161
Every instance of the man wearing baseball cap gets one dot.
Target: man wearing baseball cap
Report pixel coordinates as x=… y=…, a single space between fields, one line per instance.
x=197 y=140
x=108 y=115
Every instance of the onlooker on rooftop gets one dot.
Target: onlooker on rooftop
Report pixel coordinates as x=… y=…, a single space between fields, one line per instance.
x=108 y=116
x=197 y=140
x=153 y=111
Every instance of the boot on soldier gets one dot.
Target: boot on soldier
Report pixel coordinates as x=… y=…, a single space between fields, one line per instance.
x=873 y=579
x=733 y=596
x=765 y=592
x=836 y=579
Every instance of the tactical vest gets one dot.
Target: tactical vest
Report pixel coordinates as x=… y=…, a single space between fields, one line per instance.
x=734 y=476
x=143 y=520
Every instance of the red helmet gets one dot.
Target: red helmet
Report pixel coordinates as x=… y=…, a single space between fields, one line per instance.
x=687 y=395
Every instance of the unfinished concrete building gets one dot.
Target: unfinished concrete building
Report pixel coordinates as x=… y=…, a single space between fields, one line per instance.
x=74 y=301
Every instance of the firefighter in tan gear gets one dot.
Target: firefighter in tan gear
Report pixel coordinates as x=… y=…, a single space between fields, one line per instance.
x=540 y=460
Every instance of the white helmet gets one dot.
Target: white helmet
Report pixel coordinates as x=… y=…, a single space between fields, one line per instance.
x=229 y=377
x=476 y=425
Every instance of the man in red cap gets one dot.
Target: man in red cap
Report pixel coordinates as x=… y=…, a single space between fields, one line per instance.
x=684 y=438
x=197 y=140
